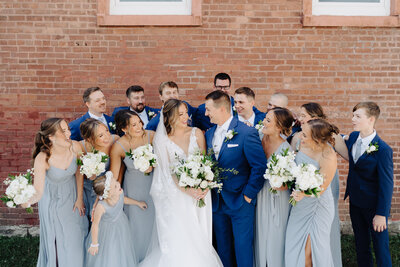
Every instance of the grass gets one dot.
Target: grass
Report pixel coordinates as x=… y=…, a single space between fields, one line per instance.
x=23 y=251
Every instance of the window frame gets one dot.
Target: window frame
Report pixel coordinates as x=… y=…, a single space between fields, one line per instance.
x=105 y=18
x=310 y=19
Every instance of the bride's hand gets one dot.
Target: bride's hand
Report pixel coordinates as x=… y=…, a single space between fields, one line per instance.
x=195 y=193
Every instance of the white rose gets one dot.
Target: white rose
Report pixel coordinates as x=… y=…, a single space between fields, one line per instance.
x=19 y=199
x=10 y=204
x=372 y=149
x=203 y=184
x=142 y=164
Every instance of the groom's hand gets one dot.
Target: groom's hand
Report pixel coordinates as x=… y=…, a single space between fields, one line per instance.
x=248 y=200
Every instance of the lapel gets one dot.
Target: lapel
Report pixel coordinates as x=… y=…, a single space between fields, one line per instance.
x=232 y=126
x=365 y=154
x=86 y=116
x=352 y=140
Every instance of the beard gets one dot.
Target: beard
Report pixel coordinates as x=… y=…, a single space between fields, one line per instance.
x=139 y=108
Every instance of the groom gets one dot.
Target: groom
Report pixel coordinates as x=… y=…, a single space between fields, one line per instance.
x=234 y=207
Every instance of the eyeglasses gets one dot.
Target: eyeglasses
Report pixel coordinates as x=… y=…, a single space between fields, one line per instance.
x=219 y=87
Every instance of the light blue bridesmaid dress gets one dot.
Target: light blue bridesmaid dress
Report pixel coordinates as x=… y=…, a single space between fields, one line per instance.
x=310 y=217
x=62 y=231
x=137 y=186
x=272 y=214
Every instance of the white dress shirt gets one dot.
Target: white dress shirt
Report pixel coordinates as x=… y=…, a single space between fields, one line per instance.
x=364 y=143
x=101 y=118
x=250 y=120
x=219 y=136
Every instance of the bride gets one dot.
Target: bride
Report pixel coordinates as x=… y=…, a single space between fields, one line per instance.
x=184 y=231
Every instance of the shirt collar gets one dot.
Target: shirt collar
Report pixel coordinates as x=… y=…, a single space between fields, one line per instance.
x=251 y=119
x=225 y=126
x=139 y=113
x=96 y=117
x=368 y=139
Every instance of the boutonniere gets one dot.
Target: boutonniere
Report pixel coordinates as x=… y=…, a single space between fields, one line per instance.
x=150 y=114
x=259 y=126
x=112 y=125
x=234 y=110
x=373 y=147
x=230 y=134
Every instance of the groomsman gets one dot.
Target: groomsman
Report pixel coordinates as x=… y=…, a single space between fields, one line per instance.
x=369 y=186
x=238 y=147
x=137 y=103
x=277 y=100
x=95 y=101
x=168 y=90
x=244 y=104
x=281 y=101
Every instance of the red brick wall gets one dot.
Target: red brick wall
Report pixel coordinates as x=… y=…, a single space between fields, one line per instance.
x=51 y=50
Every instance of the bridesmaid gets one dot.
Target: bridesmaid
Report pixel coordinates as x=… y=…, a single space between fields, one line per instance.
x=308 y=112
x=310 y=221
x=272 y=211
x=136 y=184
x=95 y=136
x=63 y=225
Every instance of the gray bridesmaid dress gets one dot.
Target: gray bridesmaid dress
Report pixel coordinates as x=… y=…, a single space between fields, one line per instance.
x=272 y=214
x=310 y=217
x=89 y=196
x=335 y=231
x=114 y=237
x=137 y=185
x=62 y=231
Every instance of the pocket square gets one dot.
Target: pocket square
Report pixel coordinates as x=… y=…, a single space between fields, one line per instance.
x=232 y=145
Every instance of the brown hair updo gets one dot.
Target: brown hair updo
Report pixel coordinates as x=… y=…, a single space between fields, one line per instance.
x=284 y=120
x=314 y=110
x=88 y=129
x=99 y=184
x=171 y=113
x=322 y=131
x=122 y=120
x=43 y=144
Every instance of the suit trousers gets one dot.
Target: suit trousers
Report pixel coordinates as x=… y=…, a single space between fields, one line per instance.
x=361 y=220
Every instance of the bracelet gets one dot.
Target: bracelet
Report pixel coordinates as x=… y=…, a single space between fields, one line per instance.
x=94 y=245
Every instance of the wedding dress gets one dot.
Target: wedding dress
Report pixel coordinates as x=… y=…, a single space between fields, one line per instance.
x=184 y=231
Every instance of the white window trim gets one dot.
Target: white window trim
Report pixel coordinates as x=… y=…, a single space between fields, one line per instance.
x=183 y=7
x=351 y=9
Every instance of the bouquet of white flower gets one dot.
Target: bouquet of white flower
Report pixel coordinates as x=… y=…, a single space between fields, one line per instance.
x=279 y=170
x=308 y=180
x=143 y=157
x=19 y=190
x=93 y=163
x=197 y=172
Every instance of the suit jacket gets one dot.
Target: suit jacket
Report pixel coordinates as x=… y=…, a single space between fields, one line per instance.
x=153 y=123
x=147 y=108
x=370 y=180
x=245 y=154
x=259 y=116
x=74 y=126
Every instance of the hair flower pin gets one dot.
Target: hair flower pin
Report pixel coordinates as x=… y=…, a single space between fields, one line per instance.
x=107 y=185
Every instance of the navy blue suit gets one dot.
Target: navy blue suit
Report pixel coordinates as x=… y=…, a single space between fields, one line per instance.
x=74 y=126
x=148 y=109
x=153 y=123
x=370 y=189
x=233 y=217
